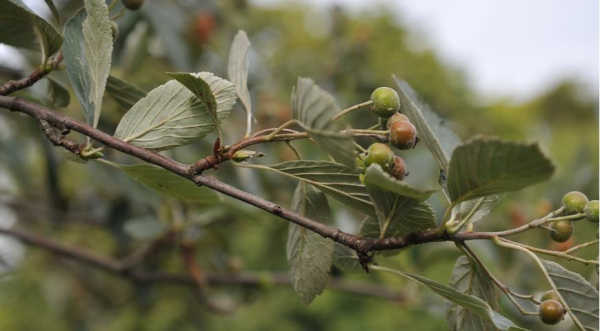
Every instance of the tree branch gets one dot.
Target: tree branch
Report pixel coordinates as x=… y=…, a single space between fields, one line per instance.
x=122 y=268
x=360 y=244
x=15 y=85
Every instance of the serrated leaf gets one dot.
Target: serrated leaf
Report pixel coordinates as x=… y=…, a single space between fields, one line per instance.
x=313 y=108
x=144 y=228
x=478 y=208
x=440 y=140
x=578 y=294
x=168 y=183
x=346 y=259
x=469 y=302
x=170 y=115
x=376 y=176
x=202 y=90
x=20 y=27
x=392 y=208
x=488 y=166
x=87 y=51
x=58 y=94
x=414 y=218
x=331 y=178
x=309 y=254
x=237 y=70
x=124 y=93
x=468 y=278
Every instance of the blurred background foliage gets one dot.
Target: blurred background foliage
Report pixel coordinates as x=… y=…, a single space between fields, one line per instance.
x=95 y=207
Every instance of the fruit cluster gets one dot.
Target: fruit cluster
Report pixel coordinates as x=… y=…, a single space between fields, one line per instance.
x=402 y=135
x=574 y=203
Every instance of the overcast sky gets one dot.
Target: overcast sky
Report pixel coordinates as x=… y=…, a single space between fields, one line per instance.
x=506 y=47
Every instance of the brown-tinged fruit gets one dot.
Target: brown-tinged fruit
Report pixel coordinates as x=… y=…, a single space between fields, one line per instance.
x=403 y=135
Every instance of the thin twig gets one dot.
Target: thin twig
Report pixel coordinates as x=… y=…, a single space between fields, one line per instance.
x=552 y=253
x=15 y=85
x=123 y=268
x=507 y=291
x=350 y=109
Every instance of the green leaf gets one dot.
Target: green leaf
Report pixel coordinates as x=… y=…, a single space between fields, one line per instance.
x=346 y=259
x=168 y=183
x=469 y=278
x=124 y=93
x=392 y=208
x=333 y=179
x=376 y=176
x=58 y=94
x=20 y=27
x=440 y=140
x=416 y=217
x=53 y=10
x=488 y=166
x=469 y=302
x=144 y=228
x=170 y=115
x=313 y=108
x=202 y=91
x=88 y=50
x=478 y=208
x=309 y=254
x=237 y=70
x=579 y=295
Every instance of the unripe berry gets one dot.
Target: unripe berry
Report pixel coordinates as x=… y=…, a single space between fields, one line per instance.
x=574 y=202
x=398 y=169
x=549 y=295
x=551 y=312
x=403 y=135
x=133 y=4
x=562 y=230
x=380 y=154
x=397 y=117
x=591 y=211
x=385 y=102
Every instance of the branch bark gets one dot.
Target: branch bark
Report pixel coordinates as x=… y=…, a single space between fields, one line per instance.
x=360 y=244
x=19 y=84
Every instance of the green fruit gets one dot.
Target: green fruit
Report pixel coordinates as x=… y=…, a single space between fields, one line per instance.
x=398 y=169
x=403 y=135
x=359 y=162
x=397 y=117
x=385 y=102
x=591 y=211
x=574 y=202
x=549 y=295
x=562 y=231
x=380 y=154
x=133 y=4
x=551 y=312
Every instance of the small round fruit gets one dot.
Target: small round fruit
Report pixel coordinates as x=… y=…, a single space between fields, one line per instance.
x=133 y=4
x=563 y=230
x=398 y=169
x=591 y=211
x=397 y=117
x=403 y=135
x=380 y=154
x=551 y=312
x=549 y=295
x=574 y=202
x=385 y=102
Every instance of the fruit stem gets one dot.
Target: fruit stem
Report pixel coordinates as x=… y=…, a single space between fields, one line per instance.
x=112 y=5
x=350 y=109
x=281 y=127
x=513 y=245
x=507 y=291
